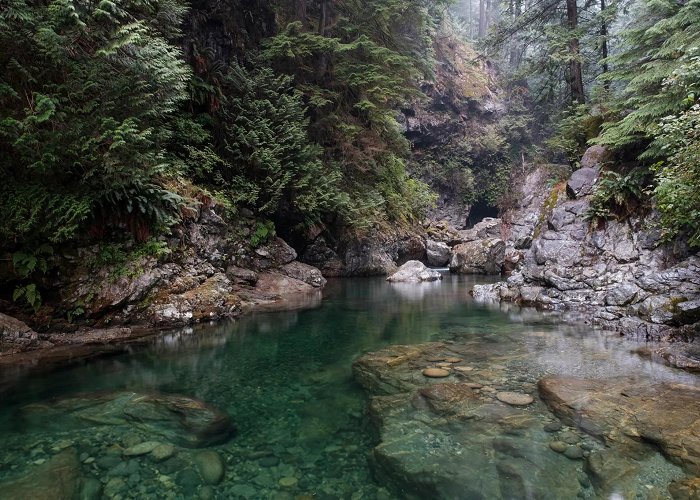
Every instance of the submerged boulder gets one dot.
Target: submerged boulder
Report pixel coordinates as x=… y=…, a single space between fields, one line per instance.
x=623 y=412
x=479 y=257
x=178 y=419
x=58 y=478
x=414 y=271
x=437 y=433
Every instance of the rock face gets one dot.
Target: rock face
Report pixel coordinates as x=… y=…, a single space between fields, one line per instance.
x=414 y=271
x=435 y=433
x=377 y=254
x=178 y=419
x=208 y=270
x=620 y=275
x=479 y=257
x=623 y=413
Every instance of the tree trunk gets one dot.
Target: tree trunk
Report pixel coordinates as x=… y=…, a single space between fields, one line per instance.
x=516 y=7
x=482 y=18
x=604 y=42
x=575 y=74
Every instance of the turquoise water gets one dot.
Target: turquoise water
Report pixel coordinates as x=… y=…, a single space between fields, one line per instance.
x=285 y=380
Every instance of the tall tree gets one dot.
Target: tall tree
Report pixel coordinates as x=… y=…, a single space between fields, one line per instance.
x=575 y=73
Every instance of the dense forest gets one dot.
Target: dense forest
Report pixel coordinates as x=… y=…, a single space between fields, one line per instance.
x=119 y=116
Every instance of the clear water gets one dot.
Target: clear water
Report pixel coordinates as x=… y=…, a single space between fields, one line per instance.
x=285 y=379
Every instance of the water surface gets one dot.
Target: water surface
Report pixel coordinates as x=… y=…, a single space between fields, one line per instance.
x=285 y=379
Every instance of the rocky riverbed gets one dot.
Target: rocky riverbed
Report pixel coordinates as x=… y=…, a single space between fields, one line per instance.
x=464 y=419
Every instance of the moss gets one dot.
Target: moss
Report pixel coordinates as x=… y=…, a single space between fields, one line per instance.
x=549 y=204
x=673 y=302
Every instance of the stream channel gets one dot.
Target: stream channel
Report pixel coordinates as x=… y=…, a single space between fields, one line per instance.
x=302 y=429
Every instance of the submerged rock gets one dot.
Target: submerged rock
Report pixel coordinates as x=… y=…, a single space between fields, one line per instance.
x=58 y=478
x=435 y=434
x=210 y=466
x=179 y=419
x=623 y=412
x=414 y=271
x=514 y=398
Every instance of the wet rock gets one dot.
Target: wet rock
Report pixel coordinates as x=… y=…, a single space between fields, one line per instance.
x=269 y=461
x=552 y=427
x=162 y=452
x=438 y=253
x=59 y=477
x=288 y=482
x=243 y=491
x=178 y=419
x=114 y=486
x=141 y=449
x=558 y=446
x=90 y=489
x=573 y=452
x=434 y=434
x=479 y=257
x=514 y=398
x=436 y=372
x=414 y=271
x=623 y=412
x=189 y=481
x=210 y=466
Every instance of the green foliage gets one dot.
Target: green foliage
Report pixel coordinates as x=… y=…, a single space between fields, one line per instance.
x=678 y=189
x=264 y=231
x=661 y=34
x=88 y=92
x=268 y=162
x=617 y=195
x=573 y=129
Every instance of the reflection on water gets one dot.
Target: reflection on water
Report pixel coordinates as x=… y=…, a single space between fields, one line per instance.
x=285 y=380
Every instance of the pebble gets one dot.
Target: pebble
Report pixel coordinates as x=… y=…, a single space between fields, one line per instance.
x=435 y=359
x=141 y=449
x=453 y=360
x=569 y=437
x=162 y=452
x=269 y=461
x=436 y=373
x=514 y=398
x=558 y=446
x=210 y=466
x=552 y=427
x=443 y=365
x=574 y=453
x=464 y=368
x=288 y=482
x=473 y=385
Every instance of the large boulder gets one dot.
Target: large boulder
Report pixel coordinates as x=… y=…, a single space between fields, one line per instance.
x=581 y=182
x=15 y=335
x=439 y=254
x=178 y=419
x=479 y=257
x=595 y=156
x=414 y=271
